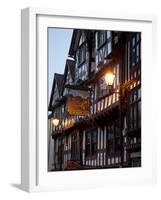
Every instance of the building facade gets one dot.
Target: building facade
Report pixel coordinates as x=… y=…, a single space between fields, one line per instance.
x=109 y=134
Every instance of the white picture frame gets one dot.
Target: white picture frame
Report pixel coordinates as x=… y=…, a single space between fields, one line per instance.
x=33 y=144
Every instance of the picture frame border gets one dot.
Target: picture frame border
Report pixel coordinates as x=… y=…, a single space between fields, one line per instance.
x=29 y=168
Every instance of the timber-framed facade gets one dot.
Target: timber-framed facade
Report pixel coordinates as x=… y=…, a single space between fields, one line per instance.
x=109 y=136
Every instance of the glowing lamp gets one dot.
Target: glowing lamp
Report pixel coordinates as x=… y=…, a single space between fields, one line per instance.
x=55 y=121
x=109 y=78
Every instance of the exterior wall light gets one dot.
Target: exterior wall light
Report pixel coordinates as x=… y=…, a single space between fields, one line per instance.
x=109 y=78
x=55 y=121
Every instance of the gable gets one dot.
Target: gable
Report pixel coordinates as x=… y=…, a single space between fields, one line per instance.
x=55 y=94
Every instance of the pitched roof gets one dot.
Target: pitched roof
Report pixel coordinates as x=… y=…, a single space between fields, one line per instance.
x=71 y=67
x=57 y=80
x=74 y=42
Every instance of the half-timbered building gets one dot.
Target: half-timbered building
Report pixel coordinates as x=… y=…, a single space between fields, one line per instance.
x=108 y=134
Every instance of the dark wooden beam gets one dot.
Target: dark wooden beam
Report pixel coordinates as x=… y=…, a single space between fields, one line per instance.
x=78 y=87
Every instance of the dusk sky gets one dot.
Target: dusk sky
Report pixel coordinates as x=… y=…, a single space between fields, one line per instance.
x=58 y=46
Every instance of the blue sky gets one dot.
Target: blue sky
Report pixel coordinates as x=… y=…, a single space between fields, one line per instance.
x=58 y=46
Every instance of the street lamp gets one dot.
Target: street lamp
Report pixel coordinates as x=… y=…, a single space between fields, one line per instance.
x=109 y=78
x=55 y=121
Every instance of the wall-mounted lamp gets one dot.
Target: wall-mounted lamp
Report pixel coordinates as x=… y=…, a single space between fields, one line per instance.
x=109 y=78
x=55 y=121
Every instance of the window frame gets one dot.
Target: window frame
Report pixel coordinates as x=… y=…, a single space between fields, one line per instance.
x=100 y=43
x=74 y=146
x=134 y=46
x=92 y=134
x=115 y=137
x=81 y=50
x=133 y=121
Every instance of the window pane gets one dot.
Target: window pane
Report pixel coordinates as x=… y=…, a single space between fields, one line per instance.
x=137 y=37
x=131 y=98
x=139 y=93
x=139 y=114
x=109 y=47
x=117 y=145
x=131 y=118
x=135 y=95
x=88 y=138
x=117 y=129
x=133 y=57
x=108 y=34
x=110 y=132
x=81 y=54
x=135 y=49
x=133 y=41
x=101 y=37
x=94 y=143
x=135 y=116
x=137 y=53
x=110 y=147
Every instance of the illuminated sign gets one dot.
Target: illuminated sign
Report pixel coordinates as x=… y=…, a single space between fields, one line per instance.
x=78 y=106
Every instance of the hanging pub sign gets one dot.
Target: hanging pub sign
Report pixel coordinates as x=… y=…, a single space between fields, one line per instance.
x=77 y=105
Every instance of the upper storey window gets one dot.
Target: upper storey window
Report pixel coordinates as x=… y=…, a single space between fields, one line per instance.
x=81 y=52
x=135 y=49
x=102 y=38
x=133 y=52
x=81 y=57
x=103 y=47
